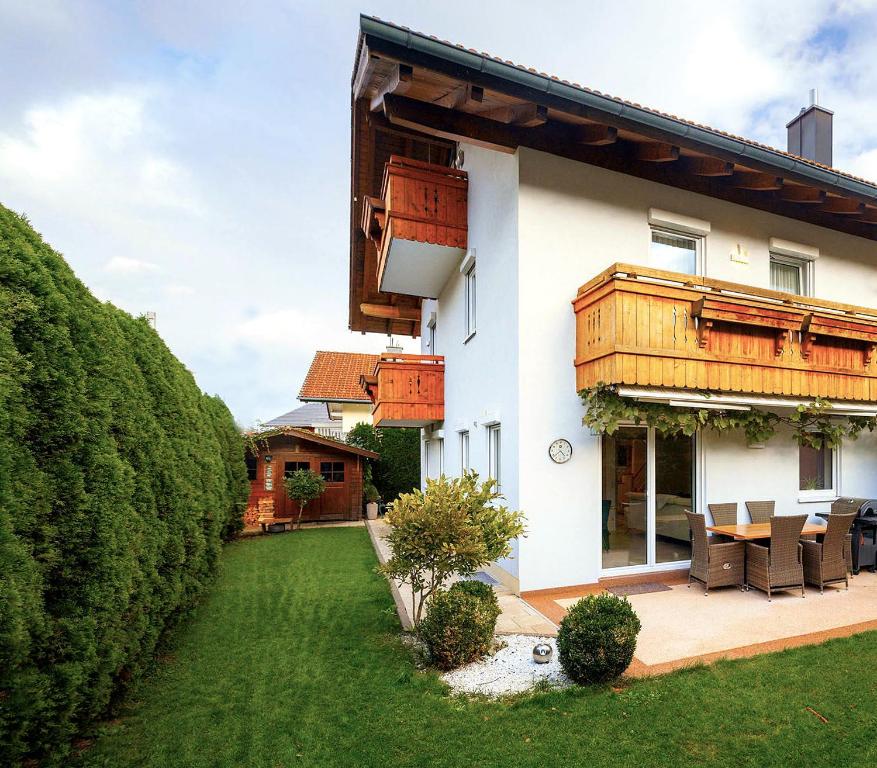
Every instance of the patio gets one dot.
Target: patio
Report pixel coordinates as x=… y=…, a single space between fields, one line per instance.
x=681 y=627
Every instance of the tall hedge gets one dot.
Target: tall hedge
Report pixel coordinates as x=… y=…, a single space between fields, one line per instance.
x=119 y=479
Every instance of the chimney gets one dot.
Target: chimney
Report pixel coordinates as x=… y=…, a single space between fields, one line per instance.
x=809 y=134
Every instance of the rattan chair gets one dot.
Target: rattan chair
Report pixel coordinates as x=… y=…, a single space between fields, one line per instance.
x=713 y=565
x=778 y=566
x=760 y=511
x=724 y=514
x=825 y=562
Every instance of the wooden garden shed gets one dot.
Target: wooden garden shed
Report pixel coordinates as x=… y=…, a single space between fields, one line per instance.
x=282 y=451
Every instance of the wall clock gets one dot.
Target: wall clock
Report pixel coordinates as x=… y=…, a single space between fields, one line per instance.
x=560 y=451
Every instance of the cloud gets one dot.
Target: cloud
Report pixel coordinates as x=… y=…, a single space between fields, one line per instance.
x=175 y=289
x=123 y=265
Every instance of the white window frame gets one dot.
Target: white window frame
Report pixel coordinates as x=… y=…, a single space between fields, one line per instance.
x=494 y=454
x=426 y=474
x=805 y=269
x=470 y=301
x=464 y=451
x=699 y=244
x=824 y=494
x=440 y=447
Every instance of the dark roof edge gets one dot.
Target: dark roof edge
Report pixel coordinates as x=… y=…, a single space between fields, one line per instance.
x=634 y=115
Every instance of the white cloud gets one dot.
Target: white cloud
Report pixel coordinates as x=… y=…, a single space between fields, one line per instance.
x=123 y=265
x=175 y=289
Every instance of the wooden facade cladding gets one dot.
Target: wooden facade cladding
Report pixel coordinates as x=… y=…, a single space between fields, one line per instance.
x=645 y=327
x=407 y=390
x=420 y=203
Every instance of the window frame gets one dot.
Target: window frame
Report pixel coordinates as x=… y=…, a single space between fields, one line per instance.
x=333 y=472
x=822 y=494
x=440 y=447
x=426 y=474
x=699 y=246
x=805 y=271
x=470 y=301
x=464 y=451
x=252 y=471
x=494 y=454
x=288 y=472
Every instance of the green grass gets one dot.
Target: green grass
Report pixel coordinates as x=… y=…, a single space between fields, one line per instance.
x=294 y=660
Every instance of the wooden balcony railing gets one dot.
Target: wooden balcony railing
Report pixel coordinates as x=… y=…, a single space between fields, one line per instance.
x=647 y=327
x=407 y=390
x=419 y=225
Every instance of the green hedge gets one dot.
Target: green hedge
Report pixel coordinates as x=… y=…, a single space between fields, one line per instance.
x=119 y=480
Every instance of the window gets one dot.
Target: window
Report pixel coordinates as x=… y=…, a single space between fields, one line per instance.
x=494 y=454
x=426 y=458
x=440 y=447
x=790 y=275
x=293 y=466
x=251 y=467
x=816 y=471
x=464 y=452
x=470 y=301
x=332 y=471
x=675 y=252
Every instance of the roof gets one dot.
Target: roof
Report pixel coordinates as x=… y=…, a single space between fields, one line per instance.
x=312 y=437
x=307 y=415
x=553 y=86
x=334 y=377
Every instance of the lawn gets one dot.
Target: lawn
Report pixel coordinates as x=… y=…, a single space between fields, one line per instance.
x=294 y=660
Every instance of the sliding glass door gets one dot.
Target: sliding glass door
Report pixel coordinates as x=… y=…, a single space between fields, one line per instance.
x=648 y=483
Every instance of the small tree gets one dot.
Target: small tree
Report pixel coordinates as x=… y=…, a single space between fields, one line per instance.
x=456 y=526
x=303 y=486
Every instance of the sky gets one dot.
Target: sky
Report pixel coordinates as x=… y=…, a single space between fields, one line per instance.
x=192 y=158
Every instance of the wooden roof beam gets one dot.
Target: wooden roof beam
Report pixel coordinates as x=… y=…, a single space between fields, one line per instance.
x=398 y=82
x=842 y=206
x=759 y=182
x=802 y=195
x=657 y=152
x=523 y=115
x=457 y=98
x=596 y=135
x=708 y=166
x=390 y=312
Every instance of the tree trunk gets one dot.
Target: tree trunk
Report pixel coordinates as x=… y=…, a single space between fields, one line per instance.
x=301 y=508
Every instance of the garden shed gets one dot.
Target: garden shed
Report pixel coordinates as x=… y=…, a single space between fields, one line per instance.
x=274 y=455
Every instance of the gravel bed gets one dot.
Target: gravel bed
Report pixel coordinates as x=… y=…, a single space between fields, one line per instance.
x=510 y=670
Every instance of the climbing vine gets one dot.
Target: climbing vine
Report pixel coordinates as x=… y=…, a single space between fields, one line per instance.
x=812 y=424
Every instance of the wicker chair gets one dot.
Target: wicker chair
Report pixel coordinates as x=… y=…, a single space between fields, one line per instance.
x=760 y=511
x=723 y=514
x=778 y=566
x=846 y=507
x=825 y=561
x=713 y=565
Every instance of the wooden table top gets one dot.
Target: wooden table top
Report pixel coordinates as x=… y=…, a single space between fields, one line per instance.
x=748 y=531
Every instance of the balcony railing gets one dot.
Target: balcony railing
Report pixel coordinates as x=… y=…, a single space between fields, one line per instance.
x=419 y=225
x=407 y=390
x=645 y=327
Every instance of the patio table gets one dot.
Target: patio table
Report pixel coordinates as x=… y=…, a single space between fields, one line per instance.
x=752 y=531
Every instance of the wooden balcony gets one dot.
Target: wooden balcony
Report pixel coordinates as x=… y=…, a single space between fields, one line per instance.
x=407 y=390
x=645 y=327
x=419 y=225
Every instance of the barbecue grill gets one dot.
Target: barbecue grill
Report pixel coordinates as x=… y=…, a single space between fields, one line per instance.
x=864 y=530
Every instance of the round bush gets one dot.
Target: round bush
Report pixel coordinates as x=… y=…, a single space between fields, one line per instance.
x=459 y=624
x=597 y=638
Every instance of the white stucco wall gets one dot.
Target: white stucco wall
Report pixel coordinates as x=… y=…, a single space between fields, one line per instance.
x=573 y=221
x=355 y=413
x=481 y=374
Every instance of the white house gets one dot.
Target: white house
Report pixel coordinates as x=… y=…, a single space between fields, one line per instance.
x=706 y=270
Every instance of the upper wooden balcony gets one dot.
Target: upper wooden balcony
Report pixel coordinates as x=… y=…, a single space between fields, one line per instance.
x=407 y=390
x=419 y=225
x=645 y=327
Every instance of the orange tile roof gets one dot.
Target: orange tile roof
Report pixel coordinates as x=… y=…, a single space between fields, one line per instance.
x=334 y=377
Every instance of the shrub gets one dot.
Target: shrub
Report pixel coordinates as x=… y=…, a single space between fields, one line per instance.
x=456 y=526
x=119 y=479
x=597 y=638
x=459 y=625
x=304 y=485
x=398 y=469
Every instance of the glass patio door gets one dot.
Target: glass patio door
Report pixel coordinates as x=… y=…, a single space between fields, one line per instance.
x=648 y=483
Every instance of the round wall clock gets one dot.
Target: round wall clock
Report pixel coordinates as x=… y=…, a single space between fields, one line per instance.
x=560 y=451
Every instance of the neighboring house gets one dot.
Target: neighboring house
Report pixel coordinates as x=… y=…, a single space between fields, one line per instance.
x=333 y=379
x=611 y=243
x=284 y=450
x=312 y=416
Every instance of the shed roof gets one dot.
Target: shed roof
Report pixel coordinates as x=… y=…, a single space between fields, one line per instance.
x=334 y=377
x=312 y=437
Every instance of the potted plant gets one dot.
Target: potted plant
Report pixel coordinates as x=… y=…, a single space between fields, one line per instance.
x=371 y=501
